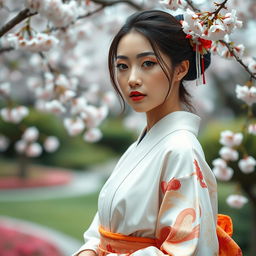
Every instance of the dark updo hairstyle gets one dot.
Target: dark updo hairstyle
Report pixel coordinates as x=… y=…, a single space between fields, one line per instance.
x=165 y=34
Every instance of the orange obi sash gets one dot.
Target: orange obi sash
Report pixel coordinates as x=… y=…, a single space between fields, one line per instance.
x=122 y=244
x=119 y=243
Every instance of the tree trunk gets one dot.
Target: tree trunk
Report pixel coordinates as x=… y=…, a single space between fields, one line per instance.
x=22 y=167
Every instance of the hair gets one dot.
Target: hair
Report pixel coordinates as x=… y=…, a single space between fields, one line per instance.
x=165 y=34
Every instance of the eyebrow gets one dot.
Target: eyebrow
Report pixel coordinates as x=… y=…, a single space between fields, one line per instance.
x=143 y=54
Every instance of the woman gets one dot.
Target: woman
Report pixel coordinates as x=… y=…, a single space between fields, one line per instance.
x=161 y=198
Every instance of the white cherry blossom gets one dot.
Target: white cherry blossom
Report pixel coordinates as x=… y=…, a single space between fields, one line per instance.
x=4 y=143
x=33 y=150
x=252 y=129
x=236 y=201
x=51 y=144
x=30 y=134
x=216 y=32
x=174 y=4
x=78 y=105
x=59 y=13
x=252 y=66
x=223 y=174
x=220 y=163
x=14 y=115
x=247 y=164
x=39 y=42
x=228 y=154
x=109 y=98
x=247 y=94
x=221 y=170
x=55 y=106
x=231 y=21
x=5 y=88
x=33 y=83
x=74 y=126
x=230 y=139
x=20 y=146
x=67 y=95
x=62 y=80
x=93 y=135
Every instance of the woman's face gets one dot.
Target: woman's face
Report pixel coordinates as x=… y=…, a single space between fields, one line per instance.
x=141 y=79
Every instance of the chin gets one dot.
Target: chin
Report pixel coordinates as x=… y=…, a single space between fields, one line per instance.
x=138 y=109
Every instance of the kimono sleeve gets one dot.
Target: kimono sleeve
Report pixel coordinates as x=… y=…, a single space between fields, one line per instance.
x=186 y=222
x=91 y=237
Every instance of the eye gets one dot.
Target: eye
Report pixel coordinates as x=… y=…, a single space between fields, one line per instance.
x=148 y=63
x=121 y=66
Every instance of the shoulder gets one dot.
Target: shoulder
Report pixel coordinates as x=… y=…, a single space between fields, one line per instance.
x=182 y=142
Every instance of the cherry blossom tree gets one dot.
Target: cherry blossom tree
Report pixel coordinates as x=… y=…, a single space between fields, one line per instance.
x=57 y=49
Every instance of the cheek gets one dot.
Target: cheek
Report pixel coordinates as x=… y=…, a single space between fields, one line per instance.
x=159 y=78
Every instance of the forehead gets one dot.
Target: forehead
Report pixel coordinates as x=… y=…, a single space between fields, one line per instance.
x=133 y=43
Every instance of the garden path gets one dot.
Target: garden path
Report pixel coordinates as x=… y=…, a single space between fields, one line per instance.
x=82 y=183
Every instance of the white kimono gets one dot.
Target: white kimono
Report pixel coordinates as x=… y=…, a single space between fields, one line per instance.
x=162 y=188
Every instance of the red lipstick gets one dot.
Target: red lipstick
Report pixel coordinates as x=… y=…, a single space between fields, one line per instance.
x=136 y=96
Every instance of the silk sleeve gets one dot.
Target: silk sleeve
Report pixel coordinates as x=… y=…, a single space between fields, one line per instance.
x=186 y=223
x=91 y=237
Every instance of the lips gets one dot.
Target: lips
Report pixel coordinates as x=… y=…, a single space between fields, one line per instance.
x=136 y=96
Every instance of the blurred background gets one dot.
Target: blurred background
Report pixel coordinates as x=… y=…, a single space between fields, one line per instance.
x=52 y=165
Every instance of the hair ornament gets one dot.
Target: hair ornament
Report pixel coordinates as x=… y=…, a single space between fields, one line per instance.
x=200 y=46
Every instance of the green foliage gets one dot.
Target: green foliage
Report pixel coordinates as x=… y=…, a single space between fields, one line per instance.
x=74 y=152
x=116 y=136
x=209 y=140
x=241 y=217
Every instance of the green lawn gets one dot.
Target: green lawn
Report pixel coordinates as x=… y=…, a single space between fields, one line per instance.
x=70 y=216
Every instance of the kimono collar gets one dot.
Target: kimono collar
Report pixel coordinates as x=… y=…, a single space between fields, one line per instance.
x=178 y=120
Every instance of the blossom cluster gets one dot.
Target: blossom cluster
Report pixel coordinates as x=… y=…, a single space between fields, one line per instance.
x=209 y=26
x=174 y=4
x=58 y=95
x=206 y=25
x=231 y=141
x=37 y=43
x=29 y=145
x=59 y=13
x=246 y=93
x=14 y=115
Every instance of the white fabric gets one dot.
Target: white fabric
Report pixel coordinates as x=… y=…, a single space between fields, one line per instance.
x=162 y=183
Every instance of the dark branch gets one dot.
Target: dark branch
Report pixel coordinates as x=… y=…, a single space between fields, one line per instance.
x=91 y=13
x=190 y=3
x=231 y=50
x=6 y=49
x=221 y=6
x=109 y=3
x=22 y=15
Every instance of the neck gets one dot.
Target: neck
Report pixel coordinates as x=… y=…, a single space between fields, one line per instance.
x=153 y=118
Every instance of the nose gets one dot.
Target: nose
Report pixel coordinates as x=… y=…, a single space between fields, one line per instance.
x=134 y=78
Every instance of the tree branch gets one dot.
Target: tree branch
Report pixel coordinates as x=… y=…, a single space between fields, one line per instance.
x=6 y=49
x=112 y=2
x=221 y=6
x=231 y=50
x=190 y=3
x=22 y=15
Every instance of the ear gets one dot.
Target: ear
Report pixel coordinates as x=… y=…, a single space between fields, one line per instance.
x=181 y=70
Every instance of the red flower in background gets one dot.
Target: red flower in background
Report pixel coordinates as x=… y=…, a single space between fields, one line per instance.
x=16 y=243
